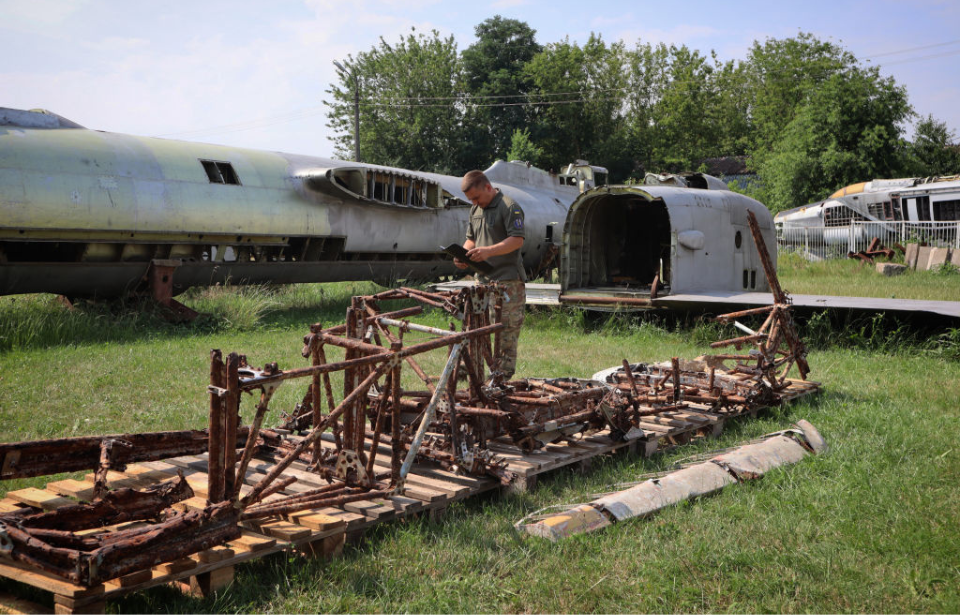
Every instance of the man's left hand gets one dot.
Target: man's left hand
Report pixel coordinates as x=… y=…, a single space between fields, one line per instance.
x=478 y=254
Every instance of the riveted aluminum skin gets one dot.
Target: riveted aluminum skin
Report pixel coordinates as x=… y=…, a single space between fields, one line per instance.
x=580 y=520
x=755 y=460
x=656 y=494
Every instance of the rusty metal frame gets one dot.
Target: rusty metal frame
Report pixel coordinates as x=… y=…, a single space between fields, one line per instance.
x=339 y=440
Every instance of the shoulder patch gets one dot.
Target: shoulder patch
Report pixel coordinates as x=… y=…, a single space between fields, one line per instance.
x=518 y=223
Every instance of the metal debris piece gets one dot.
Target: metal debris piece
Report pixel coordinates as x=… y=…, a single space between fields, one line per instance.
x=745 y=463
x=364 y=439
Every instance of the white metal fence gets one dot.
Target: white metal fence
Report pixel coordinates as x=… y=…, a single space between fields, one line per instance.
x=819 y=242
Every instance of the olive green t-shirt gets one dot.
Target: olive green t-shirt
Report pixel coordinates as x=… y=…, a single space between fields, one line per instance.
x=502 y=218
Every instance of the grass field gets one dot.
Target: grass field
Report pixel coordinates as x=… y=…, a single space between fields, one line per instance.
x=873 y=525
x=852 y=278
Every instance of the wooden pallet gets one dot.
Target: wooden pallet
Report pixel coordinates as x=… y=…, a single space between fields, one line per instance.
x=322 y=532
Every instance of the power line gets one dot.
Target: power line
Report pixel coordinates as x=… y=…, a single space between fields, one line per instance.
x=926 y=57
x=306 y=112
x=912 y=49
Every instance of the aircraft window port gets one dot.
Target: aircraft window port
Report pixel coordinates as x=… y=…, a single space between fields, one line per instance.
x=946 y=210
x=753 y=278
x=219 y=172
x=738 y=239
x=746 y=278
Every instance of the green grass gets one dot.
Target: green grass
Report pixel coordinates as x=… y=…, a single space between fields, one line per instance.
x=851 y=278
x=869 y=526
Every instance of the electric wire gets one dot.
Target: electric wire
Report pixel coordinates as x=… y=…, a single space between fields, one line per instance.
x=467 y=100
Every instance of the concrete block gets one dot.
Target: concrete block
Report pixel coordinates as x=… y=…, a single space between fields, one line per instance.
x=890 y=269
x=910 y=257
x=923 y=258
x=938 y=256
x=955 y=258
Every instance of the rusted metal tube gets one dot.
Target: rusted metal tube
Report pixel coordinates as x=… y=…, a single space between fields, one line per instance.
x=582 y=299
x=736 y=341
x=254 y=434
x=412 y=326
x=408 y=351
x=488 y=412
x=314 y=435
x=278 y=486
x=231 y=422
x=321 y=502
x=215 y=464
x=352 y=344
x=448 y=370
x=742 y=313
x=410 y=311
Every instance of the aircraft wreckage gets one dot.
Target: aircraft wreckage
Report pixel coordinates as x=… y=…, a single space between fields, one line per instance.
x=744 y=463
x=364 y=445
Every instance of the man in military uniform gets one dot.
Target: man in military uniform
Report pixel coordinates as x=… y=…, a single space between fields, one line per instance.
x=496 y=234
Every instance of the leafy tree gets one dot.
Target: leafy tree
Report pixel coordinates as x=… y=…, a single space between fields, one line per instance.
x=848 y=130
x=496 y=84
x=647 y=75
x=779 y=76
x=522 y=148
x=409 y=115
x=730 y=111
x=579 y=94
x=934 y=150
x=685 y=125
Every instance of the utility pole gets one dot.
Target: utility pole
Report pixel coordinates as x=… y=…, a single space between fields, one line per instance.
x=356 y=106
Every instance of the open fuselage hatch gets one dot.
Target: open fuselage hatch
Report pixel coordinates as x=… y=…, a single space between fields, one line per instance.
x=632 y=246
x=617 y=244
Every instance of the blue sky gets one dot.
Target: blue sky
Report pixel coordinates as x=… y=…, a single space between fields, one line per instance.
x=253 y=74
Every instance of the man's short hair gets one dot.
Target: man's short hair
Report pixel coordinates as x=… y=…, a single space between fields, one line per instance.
x=474 y=179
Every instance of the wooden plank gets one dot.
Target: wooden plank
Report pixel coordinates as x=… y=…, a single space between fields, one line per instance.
x=325 y=548
x=472 y=482
x=317 y=521
x=80 y=490
x=194 y=503
x=39 y=498
x=455 y=491
x=353 y=520
x=404 y=505
x=250 y=541
x=24 y=574
x=216 y=554
x=208 y=583
x=424 y=494
x=117 y=480
x=662 y=419
x=144 y=472
x=184 y=563
x=10 y=506
x=658 y=430
x=284 y=530
x=130 y=580
x=168 y=468
x=476 y=484
x=67 y=605
x=373 y=510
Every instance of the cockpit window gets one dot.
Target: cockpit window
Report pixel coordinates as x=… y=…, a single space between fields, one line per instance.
x=219 y=172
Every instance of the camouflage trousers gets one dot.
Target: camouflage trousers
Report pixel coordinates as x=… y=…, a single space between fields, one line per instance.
x=514 y=302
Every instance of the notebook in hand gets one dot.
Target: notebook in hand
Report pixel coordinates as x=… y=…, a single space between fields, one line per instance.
x=456 y=250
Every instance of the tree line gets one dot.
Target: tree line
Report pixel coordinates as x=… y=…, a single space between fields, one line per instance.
x=807 y=114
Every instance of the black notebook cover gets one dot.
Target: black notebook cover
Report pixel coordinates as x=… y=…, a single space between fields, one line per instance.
x=456 y=250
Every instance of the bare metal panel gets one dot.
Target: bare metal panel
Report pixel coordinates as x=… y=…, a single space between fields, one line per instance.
x=755 y=460
x=653 y=495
